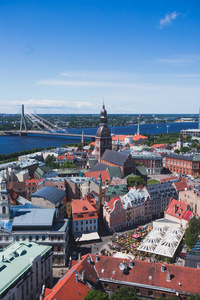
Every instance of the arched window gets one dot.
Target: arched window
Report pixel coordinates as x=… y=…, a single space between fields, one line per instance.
x=4 y=209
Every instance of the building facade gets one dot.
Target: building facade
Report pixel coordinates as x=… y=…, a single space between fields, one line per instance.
x=25 y=268
x=160 y=195
x=84 y=217
x=183 y=164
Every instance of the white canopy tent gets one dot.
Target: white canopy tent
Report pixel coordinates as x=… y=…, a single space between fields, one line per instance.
x=162 y=240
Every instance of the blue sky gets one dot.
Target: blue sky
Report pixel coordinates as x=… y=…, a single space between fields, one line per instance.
x=65 y=56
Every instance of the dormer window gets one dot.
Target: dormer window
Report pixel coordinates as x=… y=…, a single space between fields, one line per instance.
x=85 y=208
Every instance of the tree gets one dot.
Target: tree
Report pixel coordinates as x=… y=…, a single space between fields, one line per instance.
x=124 y=293
x=185 y=149
x=137 y=180
x=96 y=295
x=196 y=296
x=192 y=232
x=91 y=147
x=68 y=164
x=177 y=151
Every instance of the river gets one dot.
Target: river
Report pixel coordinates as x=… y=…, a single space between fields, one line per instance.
x=10 y=144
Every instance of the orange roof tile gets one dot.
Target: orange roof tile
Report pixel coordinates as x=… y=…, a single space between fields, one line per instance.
x=70 y=288
x=168 y=179
x=92 y=144
x=162 y=146
x=110 y=204
x=138 y=137
x=177 y=209
x=119 y=137
x=83 y=207
x=184 y=281
x=104 y=175
x=181 y=186
x=32 y=182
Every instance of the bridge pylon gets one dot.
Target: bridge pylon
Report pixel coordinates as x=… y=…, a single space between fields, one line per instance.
x=22 y=121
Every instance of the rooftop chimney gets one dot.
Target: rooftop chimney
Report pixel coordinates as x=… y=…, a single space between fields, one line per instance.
x=168 y=276
x=83 y=275
x=162 y=268
x=76 y=277
x=97 y=258
x=131 y=264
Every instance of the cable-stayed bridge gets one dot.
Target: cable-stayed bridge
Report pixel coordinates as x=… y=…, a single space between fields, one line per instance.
x=44 y=127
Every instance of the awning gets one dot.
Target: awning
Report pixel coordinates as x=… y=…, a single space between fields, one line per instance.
x=87 y=237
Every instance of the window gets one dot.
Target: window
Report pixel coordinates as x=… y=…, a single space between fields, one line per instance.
x=90 y=221
x=43 y=238
x=105 y=285
x=163 y=295
x=150 y=293
x=81 y=222
x=138 y=291
x=87 y=222
x=37 y=237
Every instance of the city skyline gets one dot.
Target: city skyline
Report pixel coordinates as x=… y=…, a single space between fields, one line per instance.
x=66 y=56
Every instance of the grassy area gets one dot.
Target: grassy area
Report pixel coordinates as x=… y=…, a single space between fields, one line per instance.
x=152 y=181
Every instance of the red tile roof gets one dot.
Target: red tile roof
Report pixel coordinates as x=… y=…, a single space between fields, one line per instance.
x=83 y=207
x=67 y=157
x=31 y=182
x=68 y=288
x=177 y=209
x=104 y=175
x=161 y=146
x=183 y=280
x=120 y=137
x=148 y=274
x=110 y=204
x=138 y=137
x=181 y=186
x=169 y=179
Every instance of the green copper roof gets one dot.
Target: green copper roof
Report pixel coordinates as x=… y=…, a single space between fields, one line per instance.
x=141 y=170
x=115 y=190
x=115 y=172
x=17 y=259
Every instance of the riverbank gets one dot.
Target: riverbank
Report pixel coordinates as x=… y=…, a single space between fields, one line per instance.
x=10 y=144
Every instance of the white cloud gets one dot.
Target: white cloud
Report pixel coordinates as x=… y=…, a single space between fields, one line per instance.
x=105 y=84
x=53 y=103
x=100 y=75
x=180 y=60
x=167 y=20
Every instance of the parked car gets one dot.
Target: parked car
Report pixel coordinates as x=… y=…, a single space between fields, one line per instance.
x=183 y=255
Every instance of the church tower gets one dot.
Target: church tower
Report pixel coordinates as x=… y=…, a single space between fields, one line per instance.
x=179 y=143
x=103 y=138
x=4 y=200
